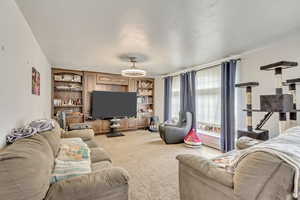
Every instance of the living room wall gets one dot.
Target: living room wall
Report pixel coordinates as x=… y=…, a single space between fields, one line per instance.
x=19 y=52
x=286 y=49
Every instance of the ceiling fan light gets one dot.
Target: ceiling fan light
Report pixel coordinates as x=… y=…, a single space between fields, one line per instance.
x=133 y=72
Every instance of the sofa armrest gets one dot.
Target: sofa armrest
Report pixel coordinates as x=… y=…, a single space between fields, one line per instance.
x=206 y=168
x=84 y=134
x=246 y=142
x=91 y=186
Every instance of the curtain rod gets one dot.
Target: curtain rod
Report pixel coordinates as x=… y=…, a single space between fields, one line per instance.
x=207 y=65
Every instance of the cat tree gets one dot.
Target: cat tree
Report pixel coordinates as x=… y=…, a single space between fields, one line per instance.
x=279 y=102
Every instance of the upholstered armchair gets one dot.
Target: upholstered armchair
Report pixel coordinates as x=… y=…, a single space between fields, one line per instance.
x=175 y=133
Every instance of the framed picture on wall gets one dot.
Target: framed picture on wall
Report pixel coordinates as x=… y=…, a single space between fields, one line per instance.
x=36 y=82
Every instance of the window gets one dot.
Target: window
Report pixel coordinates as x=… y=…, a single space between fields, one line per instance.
x=208 y=100
x=175 y=98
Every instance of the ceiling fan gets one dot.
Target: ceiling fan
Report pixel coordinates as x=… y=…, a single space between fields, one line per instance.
x=133 y=71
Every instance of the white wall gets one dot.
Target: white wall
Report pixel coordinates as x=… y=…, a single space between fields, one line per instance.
x=287 y=49
x=159 y=98
x=19 y=52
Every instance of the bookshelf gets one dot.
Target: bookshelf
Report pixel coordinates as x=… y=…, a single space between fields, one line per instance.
x=67 y=93
x=145 y=100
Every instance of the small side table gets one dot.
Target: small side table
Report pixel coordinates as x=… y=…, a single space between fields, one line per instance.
x=114 y=125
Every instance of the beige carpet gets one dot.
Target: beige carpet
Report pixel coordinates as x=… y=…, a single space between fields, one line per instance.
x=152 y=165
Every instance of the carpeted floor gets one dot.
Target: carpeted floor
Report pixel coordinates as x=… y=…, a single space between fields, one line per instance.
x=152 y=165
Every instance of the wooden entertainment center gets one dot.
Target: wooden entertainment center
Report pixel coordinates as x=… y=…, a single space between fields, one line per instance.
x=71 y=92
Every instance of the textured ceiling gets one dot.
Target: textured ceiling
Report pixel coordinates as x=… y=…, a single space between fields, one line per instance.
x=170 y=34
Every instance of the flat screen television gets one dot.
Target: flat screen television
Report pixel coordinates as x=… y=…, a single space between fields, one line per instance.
x=107 y=105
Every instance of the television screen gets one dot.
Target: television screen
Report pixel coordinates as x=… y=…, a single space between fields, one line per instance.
x=113 y=104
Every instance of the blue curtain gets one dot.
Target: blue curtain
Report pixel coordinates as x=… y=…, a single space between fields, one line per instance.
x=228 y=70
x=168 y=98
x=188 y=94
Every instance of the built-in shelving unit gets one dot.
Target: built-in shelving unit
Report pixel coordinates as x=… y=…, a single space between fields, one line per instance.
x=72 y=90
x=67 y=93
x=145 y=100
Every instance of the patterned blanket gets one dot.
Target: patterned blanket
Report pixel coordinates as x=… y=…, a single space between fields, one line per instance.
x=33 y=128
x=73 y=160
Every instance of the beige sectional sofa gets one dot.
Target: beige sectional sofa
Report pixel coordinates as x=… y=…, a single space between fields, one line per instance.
x=259 y=176
x=26 y=167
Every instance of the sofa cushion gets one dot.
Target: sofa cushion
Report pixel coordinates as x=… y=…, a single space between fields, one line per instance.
x=91 y=143
x=98 y=166
x=103 y=184
x=84 y=134
x=53 y=138
x=98 y=154
x=25 y=169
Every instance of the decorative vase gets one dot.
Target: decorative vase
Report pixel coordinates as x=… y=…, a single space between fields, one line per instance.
x=192 y=139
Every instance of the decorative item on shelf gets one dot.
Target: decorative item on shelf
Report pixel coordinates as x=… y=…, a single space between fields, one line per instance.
x=145 y=84
x=67 y=77
x=61 y=87
x=77 y=78
x=145 y=92
x=133 y=71
x=67 y=102
x=144 y=100
x=58 y=77
x=145 y=110
x=57 y=102
x=70 y=87
x=192 y=139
